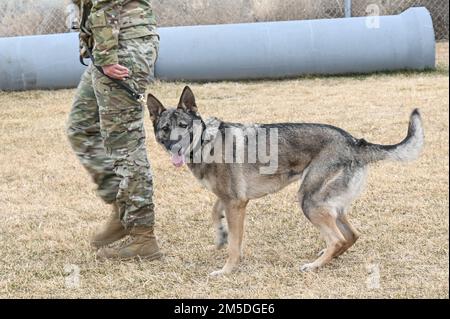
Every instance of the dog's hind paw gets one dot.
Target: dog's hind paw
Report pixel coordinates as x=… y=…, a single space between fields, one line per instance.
x=308 y=267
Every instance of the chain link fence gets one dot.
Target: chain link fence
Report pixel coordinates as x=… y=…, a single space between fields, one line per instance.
x=29 y=17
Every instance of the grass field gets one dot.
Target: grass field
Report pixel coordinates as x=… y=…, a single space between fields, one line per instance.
x=48 y=208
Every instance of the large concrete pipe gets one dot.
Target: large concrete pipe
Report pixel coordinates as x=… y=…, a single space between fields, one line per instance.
x=40 y=62
x=242 y=51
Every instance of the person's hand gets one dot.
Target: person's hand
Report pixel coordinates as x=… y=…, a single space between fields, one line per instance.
x=116 y=71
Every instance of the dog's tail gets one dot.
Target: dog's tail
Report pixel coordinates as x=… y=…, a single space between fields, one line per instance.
x=408 y=150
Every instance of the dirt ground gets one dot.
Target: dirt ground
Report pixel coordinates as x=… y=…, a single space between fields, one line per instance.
x=48 y=208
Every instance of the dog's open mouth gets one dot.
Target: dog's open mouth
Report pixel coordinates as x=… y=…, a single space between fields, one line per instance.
x=178 y=159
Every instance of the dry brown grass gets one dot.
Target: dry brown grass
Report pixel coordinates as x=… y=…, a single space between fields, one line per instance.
x=48 y=208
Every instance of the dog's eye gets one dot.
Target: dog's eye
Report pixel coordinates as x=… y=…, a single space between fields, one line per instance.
x=166 y=128
x=183 y=125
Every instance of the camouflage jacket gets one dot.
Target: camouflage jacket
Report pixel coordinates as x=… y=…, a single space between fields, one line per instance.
x=111 y=21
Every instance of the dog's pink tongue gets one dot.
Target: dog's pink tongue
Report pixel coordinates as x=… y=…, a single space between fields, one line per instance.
x=178 y=160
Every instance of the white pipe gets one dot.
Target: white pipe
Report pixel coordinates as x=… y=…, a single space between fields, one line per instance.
x=242 y=51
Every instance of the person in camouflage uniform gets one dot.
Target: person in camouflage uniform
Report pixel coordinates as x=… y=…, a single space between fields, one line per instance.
x=105 y=126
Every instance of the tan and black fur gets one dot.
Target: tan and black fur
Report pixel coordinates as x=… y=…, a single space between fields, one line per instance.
x=328 y=162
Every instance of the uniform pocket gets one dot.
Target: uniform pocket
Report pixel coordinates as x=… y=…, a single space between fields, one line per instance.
x=98 y=19
x=105 y=37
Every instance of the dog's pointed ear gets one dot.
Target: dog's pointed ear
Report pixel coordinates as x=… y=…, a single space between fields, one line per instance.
x=187 y=101
x=155 y=107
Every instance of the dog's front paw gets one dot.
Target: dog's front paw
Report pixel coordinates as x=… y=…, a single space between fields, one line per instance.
x=226 y=270
x=308 y=267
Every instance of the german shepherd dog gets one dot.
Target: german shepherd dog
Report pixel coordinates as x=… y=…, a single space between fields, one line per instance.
x=330 y=164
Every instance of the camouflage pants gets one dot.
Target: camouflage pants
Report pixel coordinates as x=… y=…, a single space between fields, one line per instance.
x=106 y=131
